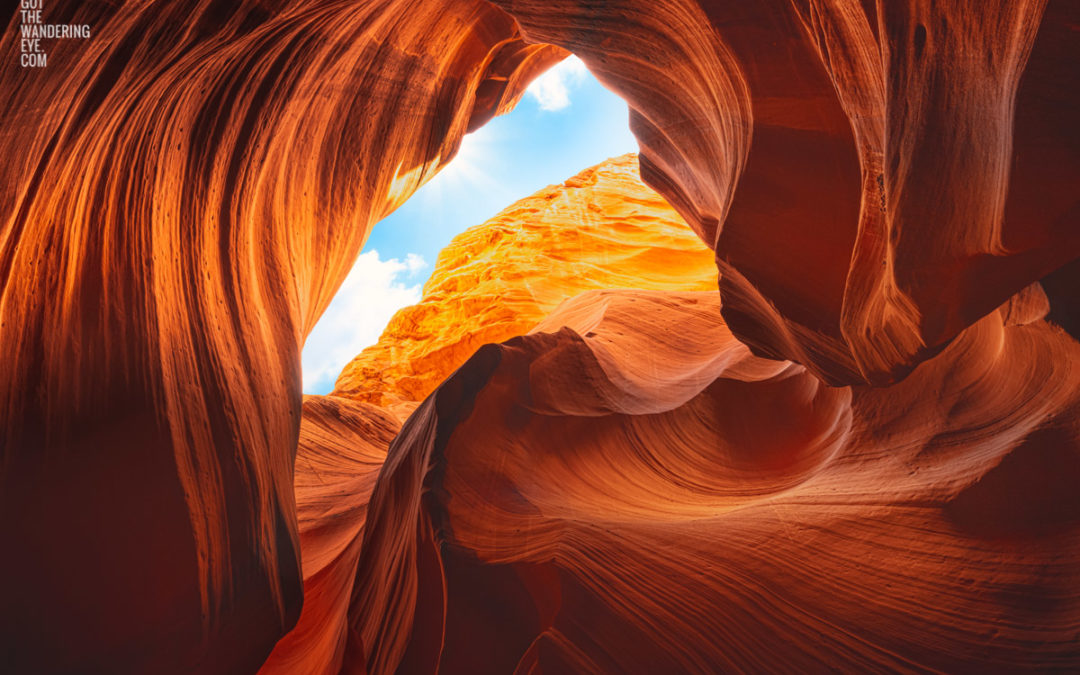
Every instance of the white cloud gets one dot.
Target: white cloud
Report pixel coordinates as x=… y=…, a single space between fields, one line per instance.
x=552 y=89
x=374 y=290
x=413 y=262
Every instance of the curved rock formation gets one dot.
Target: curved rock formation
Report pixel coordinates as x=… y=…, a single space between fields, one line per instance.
x=600 y=229
x=606 y=498
x=342 y=447
x=874 y=178
x=497 y=280
x=183 y=193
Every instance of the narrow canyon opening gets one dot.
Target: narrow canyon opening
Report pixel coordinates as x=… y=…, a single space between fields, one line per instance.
x=829 y=421
x=565 y=122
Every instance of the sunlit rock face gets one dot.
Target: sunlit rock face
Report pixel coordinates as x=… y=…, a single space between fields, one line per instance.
x=182 y=194
x=602 y=228
x=874 y=177
x=628 y=489
x=631 y=486
x=497 y=280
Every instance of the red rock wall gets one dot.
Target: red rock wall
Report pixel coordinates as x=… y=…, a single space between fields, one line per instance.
x=183 y=193
x=873 y=177
x=592 y=514
x=342 y=447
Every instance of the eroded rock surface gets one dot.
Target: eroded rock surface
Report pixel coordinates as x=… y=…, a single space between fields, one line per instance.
x=873 y=177
x=597 y=497
x=342 y=448
x=600 y=229
x=497 y=280
x=882 y=184
x=182 y=195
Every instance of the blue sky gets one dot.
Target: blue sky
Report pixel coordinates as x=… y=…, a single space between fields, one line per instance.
x=565 y=122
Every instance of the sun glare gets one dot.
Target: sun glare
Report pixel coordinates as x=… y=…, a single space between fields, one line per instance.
x=565 y=122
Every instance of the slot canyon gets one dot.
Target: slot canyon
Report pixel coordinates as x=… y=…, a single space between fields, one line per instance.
x=795 y=388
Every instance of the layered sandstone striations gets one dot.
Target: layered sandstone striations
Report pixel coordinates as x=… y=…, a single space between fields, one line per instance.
x=182 y=193
x=628 y=489
x=497 y=280
x=600 y=229
x=873 y=177
x=342 y=447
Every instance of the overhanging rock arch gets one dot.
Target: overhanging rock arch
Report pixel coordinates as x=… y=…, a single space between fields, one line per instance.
x=187 y=190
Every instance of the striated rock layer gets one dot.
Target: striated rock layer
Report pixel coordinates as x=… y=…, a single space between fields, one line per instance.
x=183 y=192
x=874 y=177
x=600 y=229
x=342 y=447
x=628 y=489
x=182 y=195
x=495 y=281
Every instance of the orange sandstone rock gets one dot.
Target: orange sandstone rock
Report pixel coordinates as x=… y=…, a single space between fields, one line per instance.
x=874 y=178
x=494 y=281
x=600 y=496
x=182 y=194
x=342 y=448
x=602 y=228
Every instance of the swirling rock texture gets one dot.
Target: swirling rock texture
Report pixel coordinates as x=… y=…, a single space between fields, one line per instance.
x=631 y=487
x=873 y=177
x=602 y=228
x=182 y=195
x=342 y=446
x=575 y=506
